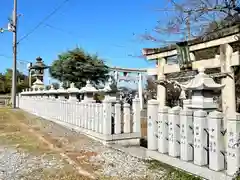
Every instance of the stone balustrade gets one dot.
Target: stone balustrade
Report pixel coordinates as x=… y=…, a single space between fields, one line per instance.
x=102 y=121
x=194 y=141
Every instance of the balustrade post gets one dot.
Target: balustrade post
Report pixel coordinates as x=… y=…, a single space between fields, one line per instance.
x=216 y=141
x=100 y=119
x=152 y=112
x=200 y=138
x=136 y=115
x=97 y=116
x=107 y=117
x=186 y=131
x=163 y=129
x=174 y=131
x=126 y=118
x=233 y=144
x=117 y=119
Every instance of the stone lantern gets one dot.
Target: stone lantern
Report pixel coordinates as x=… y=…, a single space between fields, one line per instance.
x=73 y=91
x=61 y=92
x=88 y=92
x=38 y=84
x=52 y=92
x=110 y=93
x=38 y=69
x=202 y=87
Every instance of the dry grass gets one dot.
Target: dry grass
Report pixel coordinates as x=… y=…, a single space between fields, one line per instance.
x=12 y=134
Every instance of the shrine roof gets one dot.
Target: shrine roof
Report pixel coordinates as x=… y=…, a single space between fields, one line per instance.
x=228 y=30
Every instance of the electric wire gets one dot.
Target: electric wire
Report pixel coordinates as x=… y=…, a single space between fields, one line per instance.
x=43 y=21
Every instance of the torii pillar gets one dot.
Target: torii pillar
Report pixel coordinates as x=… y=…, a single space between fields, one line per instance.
x=161 y=90
x=228 y=92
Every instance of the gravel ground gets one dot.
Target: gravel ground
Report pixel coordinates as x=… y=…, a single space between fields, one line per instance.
x=16 y=165
x=101 y=161
x=93 y=155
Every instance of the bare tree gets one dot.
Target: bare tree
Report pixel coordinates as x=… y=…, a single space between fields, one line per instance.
x=190 y=19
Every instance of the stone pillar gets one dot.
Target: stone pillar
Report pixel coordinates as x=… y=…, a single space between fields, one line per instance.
x=136 y=115
x=75 y=108
x=64 y=106
x=86 y=115
x=72 y=105
x=77 y=115
x=89 y=116
x=161 y=90
x=152 y=112
x=93 y=115
x=216 y=141
x=107 y=117
x=61 y=111
x=140 y=90
x=126 y=119
x=101 y=118
x=117 y=119
x=228 y=92
x=97 y=108
x=186 y=134
x=82 y=114
x=233 y=144
x=61 y=97
x=174 y=131
x=200 y=138
x=163 y=129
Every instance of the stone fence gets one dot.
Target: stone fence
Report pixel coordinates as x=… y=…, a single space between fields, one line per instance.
x=103 y=121
x=194 y=141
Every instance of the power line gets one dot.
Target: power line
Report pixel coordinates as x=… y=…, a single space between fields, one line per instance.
x=10 y=57
x=43 y=20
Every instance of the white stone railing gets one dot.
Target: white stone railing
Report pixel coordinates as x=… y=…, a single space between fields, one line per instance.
x=194 y=141
x=102 y=121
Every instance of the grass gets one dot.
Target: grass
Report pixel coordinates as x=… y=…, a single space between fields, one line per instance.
x=11 y=133
x=170 y=172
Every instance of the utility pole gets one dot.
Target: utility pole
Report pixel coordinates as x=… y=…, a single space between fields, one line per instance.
x=14 y=68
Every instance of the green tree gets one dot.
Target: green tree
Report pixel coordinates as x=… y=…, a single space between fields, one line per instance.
x=78 y=66
x=6 y=81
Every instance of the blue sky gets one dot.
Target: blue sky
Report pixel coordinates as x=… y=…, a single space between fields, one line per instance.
x=103 y=27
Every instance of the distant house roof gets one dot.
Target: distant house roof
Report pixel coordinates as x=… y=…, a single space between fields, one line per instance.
x=228 y=30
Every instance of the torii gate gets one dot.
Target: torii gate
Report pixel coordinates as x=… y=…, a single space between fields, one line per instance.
x=124 y=77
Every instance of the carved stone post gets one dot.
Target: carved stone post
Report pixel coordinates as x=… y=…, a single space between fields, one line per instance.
x=233 y=145
x=152 y=112
x=107 y=117
x=163 y=129
x=127 y=119
x=216 y=141
x=186 y=131
x=200 y=138
x=117 y=123
x=174 y=131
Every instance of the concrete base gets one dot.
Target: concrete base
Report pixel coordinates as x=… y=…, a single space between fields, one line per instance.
x=121 y=139
x=189 y=166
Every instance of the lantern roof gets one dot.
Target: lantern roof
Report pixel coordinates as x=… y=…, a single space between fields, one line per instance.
x=203 y=81
x=72 y=89
x=39 y=64
x=89 y=88
x=61 y=89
